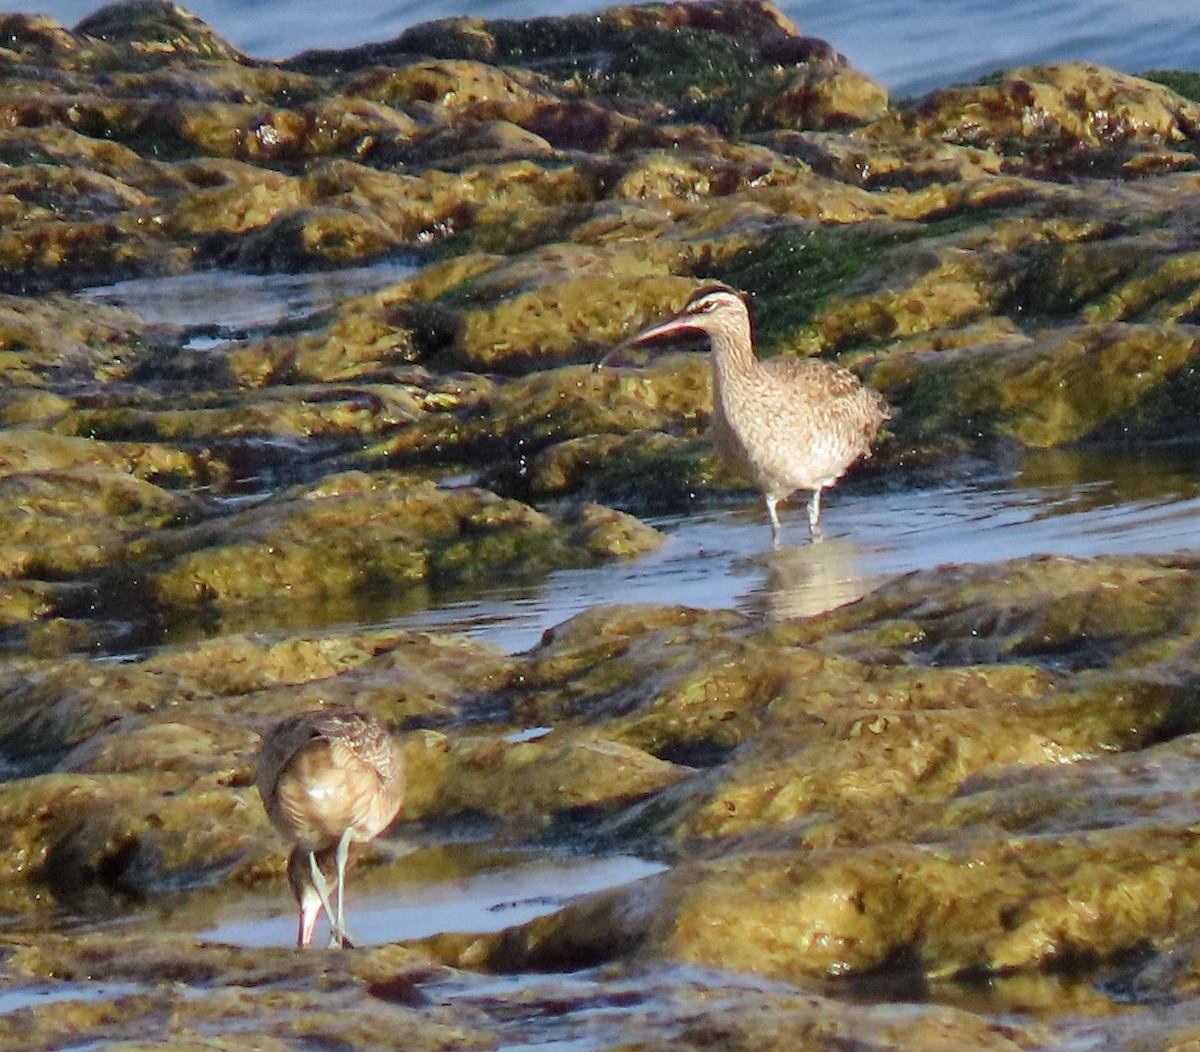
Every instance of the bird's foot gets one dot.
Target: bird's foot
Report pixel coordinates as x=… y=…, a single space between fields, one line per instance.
x=339 y=939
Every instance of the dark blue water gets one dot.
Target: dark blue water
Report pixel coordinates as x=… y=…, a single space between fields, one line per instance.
x=909 y=45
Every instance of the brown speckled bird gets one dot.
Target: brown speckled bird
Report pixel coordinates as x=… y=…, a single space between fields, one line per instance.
x=327 y=779
x=790 y=424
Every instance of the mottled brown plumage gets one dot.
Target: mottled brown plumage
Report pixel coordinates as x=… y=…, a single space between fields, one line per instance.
x=328 y=779
x=792 y=424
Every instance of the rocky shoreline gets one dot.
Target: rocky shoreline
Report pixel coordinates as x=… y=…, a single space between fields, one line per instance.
x=976 y=775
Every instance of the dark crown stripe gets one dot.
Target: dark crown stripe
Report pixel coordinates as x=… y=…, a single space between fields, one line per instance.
x=711 y=290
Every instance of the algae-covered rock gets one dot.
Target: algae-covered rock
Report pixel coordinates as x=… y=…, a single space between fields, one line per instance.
x=534 y=411
x=234 y=200
x=541 y=779
x=467 y=91
x=56 y=524
x=1058 y=114
x=156 y=28
x=1054 y=390
x=969 y=771
x=359 y=534
x=56 y=340
x=277 y=413
x=1012 y=903
x=23 y=451
x=819 y=98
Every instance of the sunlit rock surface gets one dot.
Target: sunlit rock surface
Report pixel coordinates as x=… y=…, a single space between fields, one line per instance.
x=976 y=786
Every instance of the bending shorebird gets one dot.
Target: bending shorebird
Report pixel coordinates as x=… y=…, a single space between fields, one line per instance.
x=328 y=779
x=794 y=424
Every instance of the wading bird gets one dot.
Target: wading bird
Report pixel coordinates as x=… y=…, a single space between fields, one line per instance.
x=327 y=779
x=794 y=424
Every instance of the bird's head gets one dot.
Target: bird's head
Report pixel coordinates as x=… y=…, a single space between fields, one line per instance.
x=711 y=309
x=308 y=898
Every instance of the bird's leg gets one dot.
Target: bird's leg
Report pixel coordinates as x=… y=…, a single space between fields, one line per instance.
x=814 y=515
x=343 y=854
x=776 y=529
x=322 y=888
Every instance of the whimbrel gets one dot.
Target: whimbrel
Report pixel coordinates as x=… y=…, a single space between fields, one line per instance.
x=327 y=779
x=794 y=424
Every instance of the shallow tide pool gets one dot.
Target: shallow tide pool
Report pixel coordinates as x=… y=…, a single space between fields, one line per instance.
x=1063 y=503
x=384 y=907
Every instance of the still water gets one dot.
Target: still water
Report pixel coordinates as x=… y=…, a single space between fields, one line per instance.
x=1078 y=503
x=909 y=45
x=387 y=907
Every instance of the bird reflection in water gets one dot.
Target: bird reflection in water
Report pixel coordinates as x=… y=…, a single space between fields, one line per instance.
x=811 y=579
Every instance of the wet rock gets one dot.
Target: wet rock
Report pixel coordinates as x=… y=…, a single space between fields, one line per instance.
x=235 y=198
x=261 y=994
x=72 y=192
x=68 y=710
x=261 y=136
x=35 y=254
x=156 y=28
x=1055 y=389
x=547 y=324
x=1005 y=904
x=359 y=534
x=818 y=98
x=316 y=237
x=661 y=678
x=874 y=162
x=465 y=92
x=583 y=125
x=245 y=992
x=1061 y=116
x=24 y=451
x=647 y=471
x=55 y=340
x=532 y=412
x=1008 y=904
x=57 y=524
x=1075 y=612
x=538 y=780
x=278 y=413
x=495 y=142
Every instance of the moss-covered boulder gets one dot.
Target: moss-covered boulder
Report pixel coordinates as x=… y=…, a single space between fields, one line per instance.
x=1065 y=115
x=360 y=534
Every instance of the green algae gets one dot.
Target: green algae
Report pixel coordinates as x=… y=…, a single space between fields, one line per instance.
x=1061 y=278
x=794 y=273
x=650 y=471
x=1182 y=82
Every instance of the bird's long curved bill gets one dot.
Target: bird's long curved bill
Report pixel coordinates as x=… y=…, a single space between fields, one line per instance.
x=310 y=911
x=677 y=324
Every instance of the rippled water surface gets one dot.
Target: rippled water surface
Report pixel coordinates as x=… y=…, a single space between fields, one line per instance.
x=910 y=45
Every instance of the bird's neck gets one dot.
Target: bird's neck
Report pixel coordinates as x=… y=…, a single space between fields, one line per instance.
x=732 y=356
